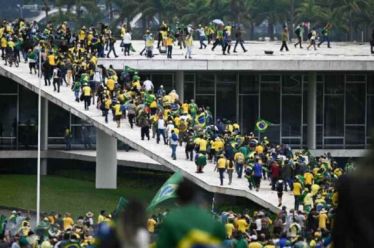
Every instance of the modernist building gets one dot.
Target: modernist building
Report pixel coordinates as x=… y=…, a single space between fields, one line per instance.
x=321 y=102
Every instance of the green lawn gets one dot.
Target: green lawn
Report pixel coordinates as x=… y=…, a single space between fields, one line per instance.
x=63 y=194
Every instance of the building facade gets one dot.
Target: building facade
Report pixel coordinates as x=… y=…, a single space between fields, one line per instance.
x=344 y=114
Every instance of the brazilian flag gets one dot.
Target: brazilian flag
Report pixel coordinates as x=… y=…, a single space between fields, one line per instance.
x=167 y=191
x=262 y=125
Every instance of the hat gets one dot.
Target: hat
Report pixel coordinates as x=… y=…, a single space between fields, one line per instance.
x=323 y=211
x=89 y=214
x=14 y=212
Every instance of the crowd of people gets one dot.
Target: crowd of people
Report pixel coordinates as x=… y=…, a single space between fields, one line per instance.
x=71 y=58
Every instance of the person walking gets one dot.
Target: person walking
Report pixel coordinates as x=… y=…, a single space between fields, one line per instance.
x=221 y=167
x=56 y=79
x=161 y=129
x=86 y=91
x=112 y=41
x=326 y=35
x=131 y=113
x=239 y=39
x=117 y=112
x=297 y=192
x=230 y=169
x=257 y=174
x=144 y=125
x=279 y=189
x=284 y=38
x=312 y=36
x=190 y=145
x=239 y=163
x=202 y=37
x=174 y=144
x=127 y=43
x=169 y=44
x=299 y=31
x=189 y=44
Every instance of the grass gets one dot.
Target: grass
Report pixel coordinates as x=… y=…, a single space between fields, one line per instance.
x=63 y=194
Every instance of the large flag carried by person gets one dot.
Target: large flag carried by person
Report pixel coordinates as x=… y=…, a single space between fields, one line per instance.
x=262 y=125
x=122 y=203
x=167 y=191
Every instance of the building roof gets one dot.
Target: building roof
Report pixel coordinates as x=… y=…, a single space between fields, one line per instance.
x=341 y=57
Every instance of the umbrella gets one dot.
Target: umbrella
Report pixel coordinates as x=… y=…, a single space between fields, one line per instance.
x=218 y=22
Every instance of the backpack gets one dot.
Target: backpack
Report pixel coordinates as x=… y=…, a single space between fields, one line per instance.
x=240 y=159
x=297 y=31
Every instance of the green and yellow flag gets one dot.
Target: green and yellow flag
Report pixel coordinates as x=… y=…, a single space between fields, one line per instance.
x=122 y=203
x=167 y=191
x=262 y=125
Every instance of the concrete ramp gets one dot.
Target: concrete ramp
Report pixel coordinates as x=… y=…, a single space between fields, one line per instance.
x=160 y=153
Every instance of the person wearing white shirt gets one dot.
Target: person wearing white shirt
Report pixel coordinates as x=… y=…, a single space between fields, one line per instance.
x=148 y=85
x=168 y=130
x=127 y=43
x=161 y=129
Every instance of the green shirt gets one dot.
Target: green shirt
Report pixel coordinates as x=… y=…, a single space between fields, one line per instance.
x=187 y=225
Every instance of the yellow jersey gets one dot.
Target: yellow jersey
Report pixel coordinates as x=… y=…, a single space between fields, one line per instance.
x=86 y=90
x=221 y=163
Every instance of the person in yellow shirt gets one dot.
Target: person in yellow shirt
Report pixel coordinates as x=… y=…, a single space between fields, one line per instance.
x=151 y=224
x=230 y=228
x=221 y=167
x=106 y=106
x=117 y=113
x=218 y=146
x=169 y=44
x=189 y=44
x=202 y=144
x=297 y=192
x=308 y=176
x=102 y=217
x=86 y=91
x=4 y=44
x=259 y=149
x=323 y=220
x=68 y=222
x=242 y=225
x=110 y=84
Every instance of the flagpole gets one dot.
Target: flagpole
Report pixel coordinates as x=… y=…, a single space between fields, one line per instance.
x=39 y=138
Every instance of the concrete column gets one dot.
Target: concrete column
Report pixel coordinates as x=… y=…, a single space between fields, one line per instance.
x=106 y=161
x=44 y=136
x=179 y=84
x=312 y=110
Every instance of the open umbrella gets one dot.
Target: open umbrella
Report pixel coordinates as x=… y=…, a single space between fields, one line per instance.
x=218 y=22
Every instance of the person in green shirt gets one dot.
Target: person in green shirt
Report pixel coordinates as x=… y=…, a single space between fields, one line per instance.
x=189 y=225
x=284 y=38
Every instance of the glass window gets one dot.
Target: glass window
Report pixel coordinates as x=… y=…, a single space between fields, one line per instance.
x=28 y=105
x=273 y=134
x=58 y=120
x=248 y=84
x=226 y=99
x=248 y=107
x=270 y=78
x=163 y=79
x=334 y=83
x=270 y=102
x=355 y=78
x=334 y=143
x=370 y=114
x=355 y=135
x=205 y=83
x=206 y=101
x=7 y=85
x=8 y=116
x=291 y=84
x=319 y=103
x=370 y=83
x=28 y=134
x=334 y=115
x=318 y=138
x=355 y=103
x=189 y=77
x=294 y=143
x=189 y=91
x=291 y=116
